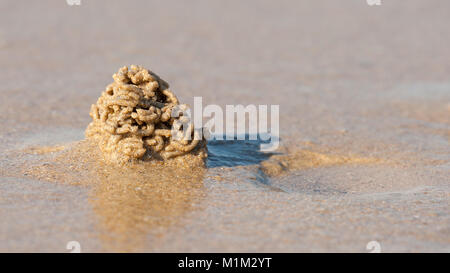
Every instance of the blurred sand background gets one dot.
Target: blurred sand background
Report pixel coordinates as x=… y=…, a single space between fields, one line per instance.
x=364 y=95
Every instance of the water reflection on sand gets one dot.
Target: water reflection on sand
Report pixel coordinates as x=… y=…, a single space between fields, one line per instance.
x=132 y=202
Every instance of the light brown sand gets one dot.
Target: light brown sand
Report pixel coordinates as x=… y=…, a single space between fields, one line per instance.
x=364 y=94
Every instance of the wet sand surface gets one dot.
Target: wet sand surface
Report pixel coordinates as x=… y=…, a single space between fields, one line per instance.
x=364 y=95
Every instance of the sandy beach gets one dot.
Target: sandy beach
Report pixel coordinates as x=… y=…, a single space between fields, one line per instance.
x=364 y=96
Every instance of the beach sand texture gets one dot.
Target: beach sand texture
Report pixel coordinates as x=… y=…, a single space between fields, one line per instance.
x=364 y=95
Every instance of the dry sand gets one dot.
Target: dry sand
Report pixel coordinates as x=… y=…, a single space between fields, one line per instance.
x=364 y=95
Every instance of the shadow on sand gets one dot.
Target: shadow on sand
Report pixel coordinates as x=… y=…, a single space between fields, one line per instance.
x=232 y=153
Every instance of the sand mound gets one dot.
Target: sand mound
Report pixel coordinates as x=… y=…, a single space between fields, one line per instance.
x=138 y=118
